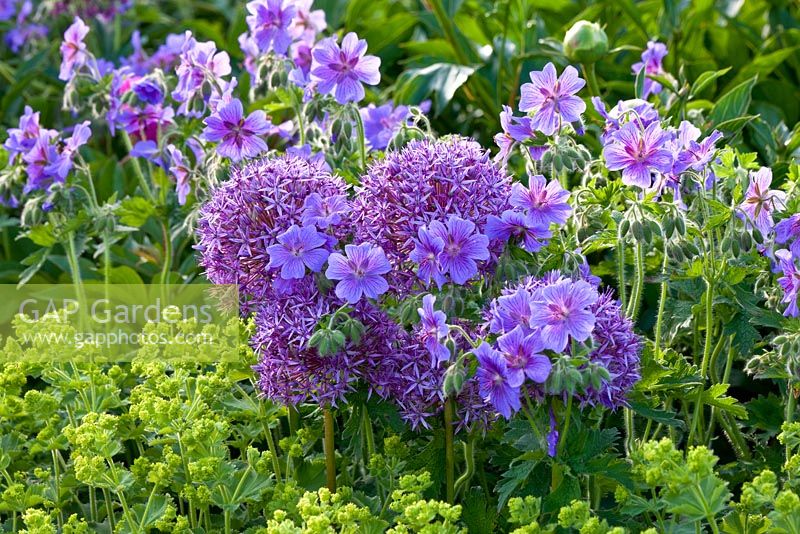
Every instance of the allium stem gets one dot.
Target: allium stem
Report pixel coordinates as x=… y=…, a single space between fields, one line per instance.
x=368 y=434
x=630 y=432
x=330 y=451
x=449 y=452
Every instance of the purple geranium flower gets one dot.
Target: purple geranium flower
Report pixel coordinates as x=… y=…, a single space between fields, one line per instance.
x=21 y=140
x=515 y=129
x=73 y=49
x=359 y=273
x=298 y=248
x=239 y=135
x=516 y=224
x=495 y=382
x=269 y=22
x=523 y=352
x=638 y=153
x=324 y=212
x=760 y=201
x=149 y=91
x=341 y=70
x=790 y=282
x=651 y=62
x=511 y=311
x=552 y=436
x=560 y=311
x=181 y=171
x=463 y=245
x=552 y=98
x=789 y=230
x=201 y=65
x=545 y=203
x=427 y=248
x=307 y=23
x=433 y=329
x=381 y=123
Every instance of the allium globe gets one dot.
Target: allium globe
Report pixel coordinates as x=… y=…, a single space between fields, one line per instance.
x=246 y=214
x=290 y=372
x=426 y=181
x=615 y=345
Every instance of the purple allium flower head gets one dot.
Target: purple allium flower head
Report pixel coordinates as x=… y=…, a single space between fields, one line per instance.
x=497 y=385
x=552 y=98
x=789 y=282
x=245 y=215
x=760 y=201
x=149 y=91
x=651 y=62
x=433 y=329
x=382 y=123
x=423 y=182
x=269 y=24
x=359 y=272
x=297 y=249
x=510 y=311
x=463 y=246
x=617 y=348
x=73 y=49
x=342 y=70
x=544 y=203
x=239 y=136
x=560 y=311
x=427 y=248
x=523 y=353
x=291 y=372
x=638 y=153
x=788 y=230
x=307 y=24
x=324 y=212
x=515 y=224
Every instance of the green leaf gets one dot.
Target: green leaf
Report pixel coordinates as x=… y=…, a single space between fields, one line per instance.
x=135 y=211
x=706 y=79
x=42 y=235
x=439 y=79
x=715 y=396
x=513 y=478
x=763 y=65
x=733 y=104
x=699 y=501
x=34 y=263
